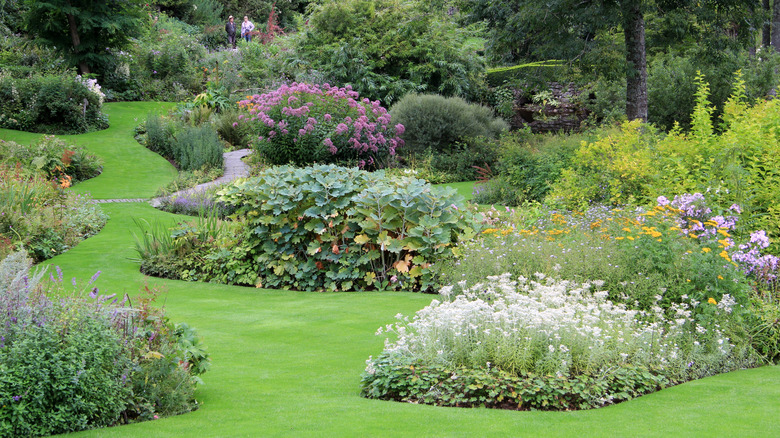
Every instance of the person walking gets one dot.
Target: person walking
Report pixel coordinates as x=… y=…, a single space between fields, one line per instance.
x=246 y=28
x=230 y=28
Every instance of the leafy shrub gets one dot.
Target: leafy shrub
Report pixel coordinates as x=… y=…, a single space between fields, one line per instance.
x=460 y=164
x=51 y=104
x=527 y=167
x=385 y=49
x=304 y=124
x=435 y=123
x=322 y=227
x=671 y=81
x=73 y=359
x=616 y=169
x=53 y=157
x=164 y=62
x=38 y=214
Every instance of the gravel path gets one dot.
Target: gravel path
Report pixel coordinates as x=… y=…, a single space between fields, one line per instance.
x=234 y=168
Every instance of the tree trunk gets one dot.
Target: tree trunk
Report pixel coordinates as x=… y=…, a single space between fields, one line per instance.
x=775 y=37
x=766 y=30
x=636 y=62
x=74 y=36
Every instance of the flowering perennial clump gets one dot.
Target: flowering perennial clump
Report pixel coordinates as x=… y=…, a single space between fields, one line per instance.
x=558 y=327
x=304 y=123
x=547 y=344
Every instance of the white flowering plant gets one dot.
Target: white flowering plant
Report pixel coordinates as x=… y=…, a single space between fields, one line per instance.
x=557 y=330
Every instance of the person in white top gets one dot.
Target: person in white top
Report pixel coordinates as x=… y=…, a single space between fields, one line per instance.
x=246 y=28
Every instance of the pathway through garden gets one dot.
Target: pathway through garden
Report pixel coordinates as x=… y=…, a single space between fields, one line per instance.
x=289 y=363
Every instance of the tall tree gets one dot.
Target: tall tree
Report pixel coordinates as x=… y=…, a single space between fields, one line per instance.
x=567 y=29
x=775 y=35
x=636 y=62
x=84 y=30
x=766 y=29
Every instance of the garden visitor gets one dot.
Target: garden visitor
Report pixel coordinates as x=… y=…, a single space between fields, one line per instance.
x=246 y=28
x=230 y=28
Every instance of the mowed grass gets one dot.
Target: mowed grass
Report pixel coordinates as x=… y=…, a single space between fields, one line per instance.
x=289 y=363
x=129 y=170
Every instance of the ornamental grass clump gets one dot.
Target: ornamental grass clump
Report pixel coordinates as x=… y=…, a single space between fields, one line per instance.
x=549 y=344
x=304 y=124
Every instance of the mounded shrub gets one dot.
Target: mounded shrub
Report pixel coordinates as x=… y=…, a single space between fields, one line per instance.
x=435 y=123
x=551 y=345
x=304 y=124
x=51 y=104
x=334 y=228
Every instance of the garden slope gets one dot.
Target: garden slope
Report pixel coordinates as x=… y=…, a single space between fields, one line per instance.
x=289 y=363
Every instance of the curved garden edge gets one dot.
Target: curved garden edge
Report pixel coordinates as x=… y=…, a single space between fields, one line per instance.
x=288 y=363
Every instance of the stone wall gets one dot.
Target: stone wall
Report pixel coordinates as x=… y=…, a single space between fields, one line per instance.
x=561 y=115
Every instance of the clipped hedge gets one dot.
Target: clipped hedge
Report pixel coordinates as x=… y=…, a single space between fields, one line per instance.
x=334 y=228
x=544 y=71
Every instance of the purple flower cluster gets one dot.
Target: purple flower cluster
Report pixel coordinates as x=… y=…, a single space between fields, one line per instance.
x=694 y=218
x=326 y=117
x=764 y=267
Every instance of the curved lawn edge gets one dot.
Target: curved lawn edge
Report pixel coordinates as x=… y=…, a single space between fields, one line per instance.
x=289 y=363
x=129 y=169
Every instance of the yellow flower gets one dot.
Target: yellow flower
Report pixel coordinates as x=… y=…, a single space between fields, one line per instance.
x=706 y=250
x=723 y=232
x=725 y=255
x=629 y=238
x=720 y=277
x=627 y=230
x=712 y=301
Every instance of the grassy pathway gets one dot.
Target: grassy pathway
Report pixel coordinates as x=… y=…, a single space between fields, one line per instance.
x=289 y=363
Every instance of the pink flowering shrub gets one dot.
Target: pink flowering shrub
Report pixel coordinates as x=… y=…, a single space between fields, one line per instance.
x=306 y=123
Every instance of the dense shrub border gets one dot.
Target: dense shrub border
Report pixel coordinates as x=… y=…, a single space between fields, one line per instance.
x=51 y=104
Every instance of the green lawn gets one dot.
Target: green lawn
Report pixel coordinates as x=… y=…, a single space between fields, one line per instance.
x=289 y=363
